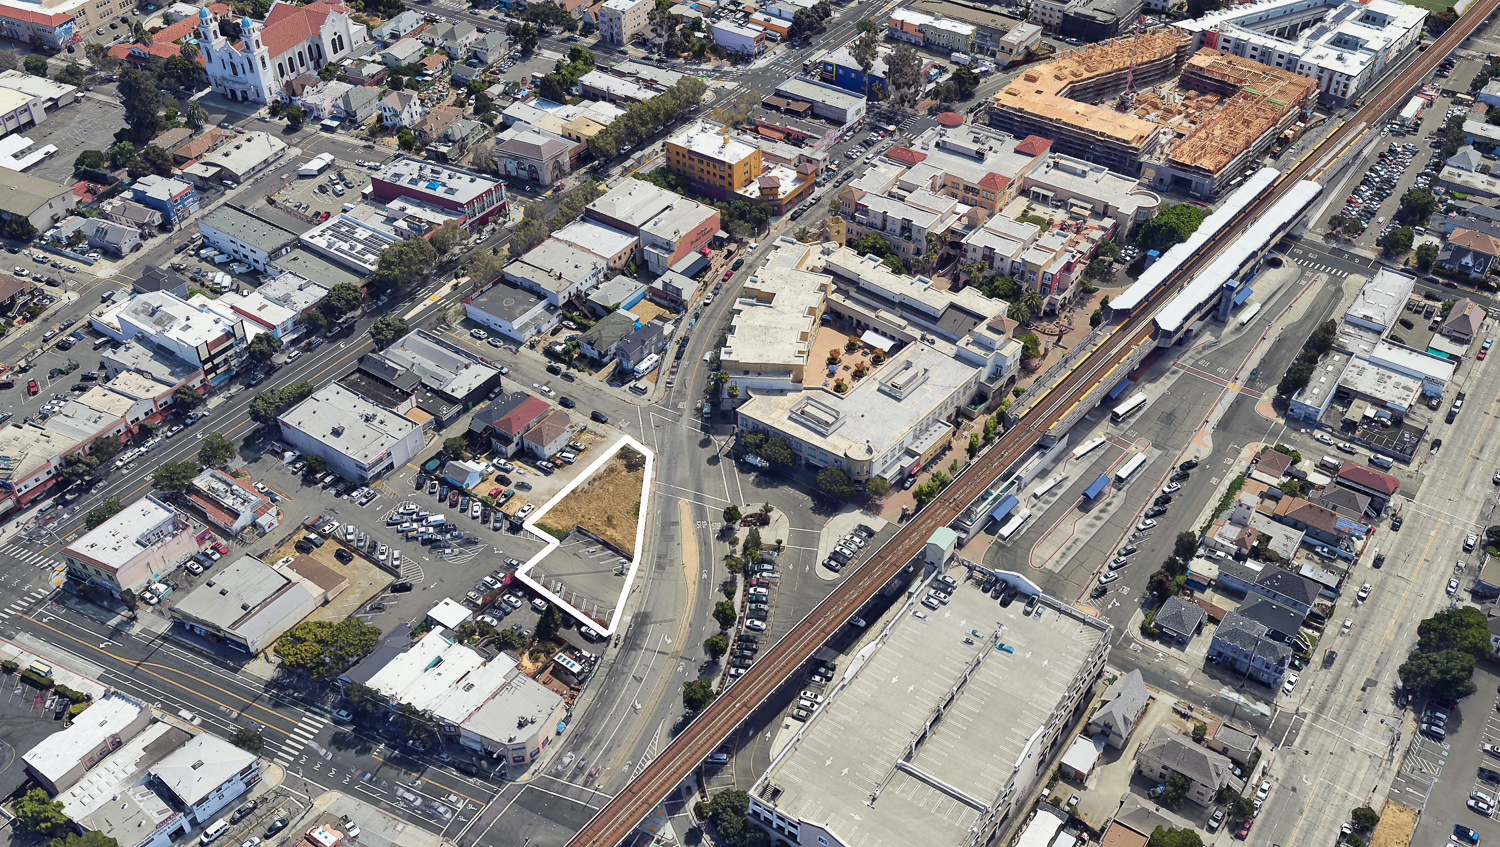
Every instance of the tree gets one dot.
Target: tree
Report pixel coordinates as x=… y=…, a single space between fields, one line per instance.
x=1164 y=837
x=215 y=451
x=835 y=481
x=1100 y=269
x=194 y=115
x=128 y=597
x=1364 y=818
x=696 y=693
x=323 y=648
x=975 y=442
x=406 y=139
x=732 y=515
x=1463 y=628
x=549 y=623
x=778 y=451
x=158 y=160
x=142 y=98
x=92 y=838
x=267 y=405
x=864 y=49
x=456 y=446
x=363 y=700
x=174 y=476
x=1031 y=346
x=1172 y=225
x=1185 y=546
x=248 y=740
x=36 y=812
x=878 y=487
x=386 y=331
x=725 y=615
x=314 y=321
x=1242 y=808
x=510 y=639
x=482 y=157
x=1295 y=379
x=1176 y=790
x=10 y=60
x=1448 y=673
x=716 y=647
x=103 y=512
x=36 y=65
x=71 y=74
x=903 y=76
x=1418 y=204
x=295 y=117
x=445 y=238
x=120 y=153
x=1427 y=253
x=727 y=811
x=89 y=160
x=262 y=347
x=405 y=263
x=1398 y=241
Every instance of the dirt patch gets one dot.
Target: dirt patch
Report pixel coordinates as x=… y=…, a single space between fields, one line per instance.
x=366 y=579
x=609 y=505
x=1397 y=822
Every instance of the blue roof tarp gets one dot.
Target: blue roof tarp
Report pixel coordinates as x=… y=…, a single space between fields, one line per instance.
x=1124 y=383
x=1001 y=511
x=1242 y=295
x=1096 y=486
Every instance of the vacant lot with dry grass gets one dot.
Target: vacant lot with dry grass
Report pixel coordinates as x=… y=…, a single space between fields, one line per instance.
x=1395 y=827
x=608 y=505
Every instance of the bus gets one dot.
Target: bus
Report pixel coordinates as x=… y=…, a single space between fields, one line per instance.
x=1250 y=314
x=1014 y=525
x=1088 y=447
x=1050 y=484
x=1128 y=470
x=1128 y=408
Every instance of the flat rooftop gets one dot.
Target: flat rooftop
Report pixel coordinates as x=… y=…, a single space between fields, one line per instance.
x=1381 y=300
x=708 y=139
x=507 y=301
x=309 y=265
x=633 y=202
x=126 y=535
x=984 y=705
x=247 y=228
x=348 y=423
x=150 y=362
x=430 y=178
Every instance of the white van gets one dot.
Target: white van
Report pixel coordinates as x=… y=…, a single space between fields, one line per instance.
x=1381 y=461
x=639 y=388
x=434 y=520
x=1330 y=463
x=215 y=829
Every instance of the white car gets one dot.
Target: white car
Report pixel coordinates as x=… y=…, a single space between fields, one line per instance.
x=396 y=558
x=1172 y=488
x=1144 y=525
x=384 y=552
x=1291 y=682
x=1452 y=587
x=1262 y=792
x=755 y=626
x=1323 y=438
x=1107 y=577
x=1469 y=541
x=1348 y=625
x=1346 y=447
x=1364 y=592
x=525 y=510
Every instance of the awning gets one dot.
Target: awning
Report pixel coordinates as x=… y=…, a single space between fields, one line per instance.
x=878 y=341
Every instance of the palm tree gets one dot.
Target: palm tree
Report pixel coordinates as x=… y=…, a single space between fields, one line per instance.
x=195 y=115
x=190 y=52
x=974 y=272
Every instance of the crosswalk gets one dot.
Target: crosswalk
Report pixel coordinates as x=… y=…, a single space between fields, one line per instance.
x=301 y=736
x=23 y=603
x=28 y=556
x=1314 y=265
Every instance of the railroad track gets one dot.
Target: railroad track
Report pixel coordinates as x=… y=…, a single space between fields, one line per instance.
x=718 y=721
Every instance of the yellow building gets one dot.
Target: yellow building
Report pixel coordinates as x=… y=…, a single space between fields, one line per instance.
x=714 y=162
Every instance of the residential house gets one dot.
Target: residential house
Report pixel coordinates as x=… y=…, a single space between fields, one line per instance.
x=100 y=235
x=41 y=202
x=456 y=140
x=433 y=64
x=126 y=213
x=1466 y=158
x=648 y=340
x=491 y=47
x=1323 y=525
x=1166 y=752
x=1465 y=318
x=436 y=122
x=504 y=420
x=1120 y=708
x=548 y=435
x=1288 y=589
x=400 y=109
x=402 y=53
x=358 y=105
x=1246 y=647
x=1379 y=487
x=371 y=74
x=455 y=37
x=403 y=24
x=1179 y=619
x=600 y=341
x=174 y=198
x=207 y=141
x=1469 y=252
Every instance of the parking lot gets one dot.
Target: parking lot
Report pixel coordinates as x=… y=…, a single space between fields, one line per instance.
x=1459 y=762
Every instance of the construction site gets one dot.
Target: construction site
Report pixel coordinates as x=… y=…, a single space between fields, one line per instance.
x=1146 y=105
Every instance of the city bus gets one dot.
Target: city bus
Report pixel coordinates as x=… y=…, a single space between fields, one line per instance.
x=1128 y=408
x=1088 y=447
x=1128 y=470
x=1014 y=525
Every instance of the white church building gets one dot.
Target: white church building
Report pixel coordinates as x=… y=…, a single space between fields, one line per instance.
x=292 y=41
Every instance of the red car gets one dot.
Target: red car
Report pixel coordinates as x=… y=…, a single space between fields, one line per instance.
x=496 y=492
x=220 y=548
x=32 y=388
x=728 y=274
x=1244 y=831
x=1482 y=354
x=453 y=499
x=760 y=582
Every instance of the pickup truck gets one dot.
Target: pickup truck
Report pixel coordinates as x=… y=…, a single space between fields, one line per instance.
x=351 y=827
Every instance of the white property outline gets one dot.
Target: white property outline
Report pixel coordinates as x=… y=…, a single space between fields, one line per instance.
x=552 y=542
